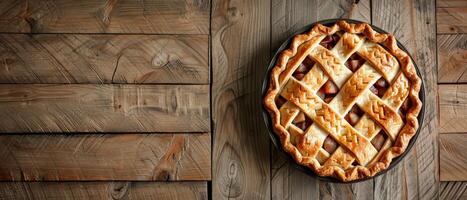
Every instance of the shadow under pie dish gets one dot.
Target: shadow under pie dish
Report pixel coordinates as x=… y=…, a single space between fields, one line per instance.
x=343 y=99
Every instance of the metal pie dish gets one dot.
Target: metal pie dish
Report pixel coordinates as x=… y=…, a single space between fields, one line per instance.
x=275 y=138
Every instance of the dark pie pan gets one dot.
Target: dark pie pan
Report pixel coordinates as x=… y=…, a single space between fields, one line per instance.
x=275 y=139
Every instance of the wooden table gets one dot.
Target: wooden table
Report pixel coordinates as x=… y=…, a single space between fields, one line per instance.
x=160 y=99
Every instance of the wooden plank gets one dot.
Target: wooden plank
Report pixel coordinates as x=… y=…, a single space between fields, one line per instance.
x=451 y=3
x=156 y=16
x=240 y=56
x=286 y=18
x=413 y=23
x=286 y=181
x=452 y=19
x=104 y=108
x=452 y=157
x=358 y=10
x=361 y=190
x=103 y=190
x=453 y=190
x=452 y=108
x=105 y=157
x=452 y=58
x=88 y=58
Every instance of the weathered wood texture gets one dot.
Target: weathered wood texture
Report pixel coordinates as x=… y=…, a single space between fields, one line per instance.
x=78 y=58
x=413 y=23
x=453 y=108
x=452 y=58
x=240 y=55
x=288 y=182
x=90 y=16
x=453 y=190
x=451 y=16
x=453 y=157
x=103 y=190
x=286 y=18
x=104 y=108
x=105 y=157
x=451 y=3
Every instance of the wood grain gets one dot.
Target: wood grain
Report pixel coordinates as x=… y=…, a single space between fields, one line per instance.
x=452 y=157
x=103 y=190
x=88 y=58
x=453 y=190
x=104 y=108
x=413 y=23
x=89 y=16
x=452 y=108
x=87 y=157
x=286 y=18
x=240 y=56
x=287 y=182
x=452 y=58
x=451 y=3
x=452 y=19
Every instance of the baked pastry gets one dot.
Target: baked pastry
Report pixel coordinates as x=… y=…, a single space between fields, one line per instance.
x=344 y=100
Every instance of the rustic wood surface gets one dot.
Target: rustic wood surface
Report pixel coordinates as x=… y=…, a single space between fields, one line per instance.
x=138 y=86
x=103 y=190
x=128 y=81
x=99 y=16
x=78 y=58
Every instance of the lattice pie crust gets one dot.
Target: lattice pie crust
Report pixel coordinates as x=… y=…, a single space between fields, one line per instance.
x=355 y=157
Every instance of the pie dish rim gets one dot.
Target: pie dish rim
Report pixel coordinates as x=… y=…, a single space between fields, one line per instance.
x=267 y=116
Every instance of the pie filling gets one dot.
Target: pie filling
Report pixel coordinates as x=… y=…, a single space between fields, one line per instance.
x=328 y=91
x=404 y=109
x=302 y=121
x=330 y=41
x=330 y=145
x=280 y=101
x=378 y=140
x=380 y=87
x=354 y=62
x=354 y=115
x=303 y=68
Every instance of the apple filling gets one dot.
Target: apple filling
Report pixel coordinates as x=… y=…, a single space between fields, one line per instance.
x=404 y=109
x=354 y=115
x=330 y=41
x=378 y=140
x=380 y=87
x=330 y=145
x=302 y=121
x=280 y=101
x=354 y=62
x=328 y=91
x=303 y=68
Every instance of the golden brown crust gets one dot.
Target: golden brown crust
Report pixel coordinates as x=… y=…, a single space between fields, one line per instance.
x=296 y=54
